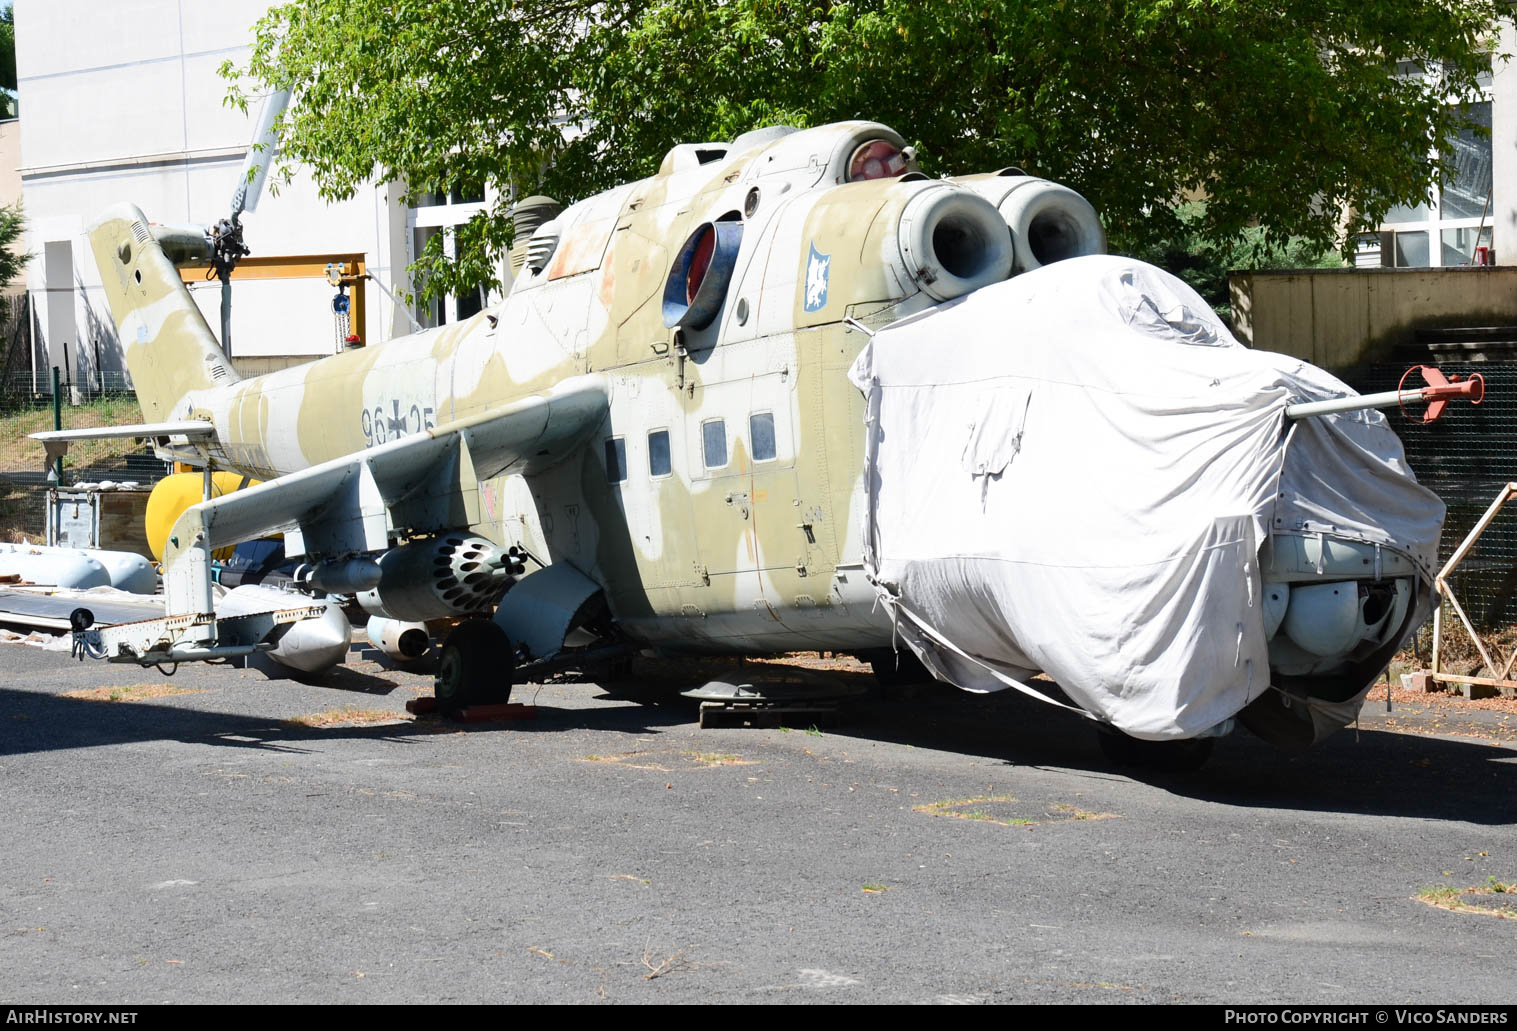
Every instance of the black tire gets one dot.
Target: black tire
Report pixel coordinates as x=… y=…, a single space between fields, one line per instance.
x=895 y=669
x=474 y=666
x=1185 y=756
x=1119 y=749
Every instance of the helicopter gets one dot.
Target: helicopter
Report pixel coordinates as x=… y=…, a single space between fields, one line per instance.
x=789 y=393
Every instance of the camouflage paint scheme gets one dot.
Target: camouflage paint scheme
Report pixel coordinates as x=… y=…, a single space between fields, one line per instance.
x=751 y=556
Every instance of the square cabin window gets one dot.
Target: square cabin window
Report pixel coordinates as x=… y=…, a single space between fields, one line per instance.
x=714 y=443
x=658 y=453
x=616 y=460
x=761 y=434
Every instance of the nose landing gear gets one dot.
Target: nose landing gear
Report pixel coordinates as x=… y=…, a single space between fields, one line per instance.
x=1184 y=756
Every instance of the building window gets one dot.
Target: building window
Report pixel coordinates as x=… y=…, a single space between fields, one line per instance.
x=434 y=310
x=1411 y=249
x=438 y=311
x=1448 y=229
x=761 y=434
x=616 y=460
x=714 y=443
x=658 y=453
x=1467 y=193
x=436 y=212
x=470 y=304
x=464 y=193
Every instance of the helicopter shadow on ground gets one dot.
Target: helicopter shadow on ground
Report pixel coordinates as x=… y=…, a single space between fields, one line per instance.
x=1353 y=771
x=33 y=721
x=339 y=678
x=1358 y=771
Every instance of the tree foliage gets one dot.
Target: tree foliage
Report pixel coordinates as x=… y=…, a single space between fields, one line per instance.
x=1284 y=113
x=1204 y=262
x=13 y=256
x=8 y=61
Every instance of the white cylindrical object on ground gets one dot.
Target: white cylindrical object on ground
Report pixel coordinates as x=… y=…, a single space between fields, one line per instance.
x=53 y=567
x=400 y=640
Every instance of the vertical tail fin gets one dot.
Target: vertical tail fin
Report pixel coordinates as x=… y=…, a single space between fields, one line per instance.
x=169 y=349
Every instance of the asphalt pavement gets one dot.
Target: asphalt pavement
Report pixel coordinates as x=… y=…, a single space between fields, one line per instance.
x=222 y=836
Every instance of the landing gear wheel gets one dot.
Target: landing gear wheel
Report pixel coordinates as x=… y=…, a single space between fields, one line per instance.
x=896 y=671
x=475 y=666
x=1185 y=756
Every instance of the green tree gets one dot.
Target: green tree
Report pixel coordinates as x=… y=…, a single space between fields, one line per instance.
x=13 y=259
x=12 y=226
x=1282 y=112
x=1204 y=262
x=8 y=61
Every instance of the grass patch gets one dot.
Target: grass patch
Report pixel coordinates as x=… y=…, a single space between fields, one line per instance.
x=130 y=692
x=17 y=451
x=875 y=889
x=351 y=716
x=1072 y=813
x=976 y=809
x=717 y=759
x=1456 y=900
x=624 y=760
x=967 y=808
x=14 y=513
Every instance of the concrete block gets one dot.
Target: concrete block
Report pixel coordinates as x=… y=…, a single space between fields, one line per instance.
x=1421 y=681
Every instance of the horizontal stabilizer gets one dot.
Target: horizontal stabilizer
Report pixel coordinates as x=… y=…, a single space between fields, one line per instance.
x=56 y=442
x=194 y=429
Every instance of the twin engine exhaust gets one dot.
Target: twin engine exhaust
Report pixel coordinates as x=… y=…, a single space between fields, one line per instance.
x=957 y=237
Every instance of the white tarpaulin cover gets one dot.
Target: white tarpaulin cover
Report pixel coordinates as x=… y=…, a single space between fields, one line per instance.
x=1073 y=471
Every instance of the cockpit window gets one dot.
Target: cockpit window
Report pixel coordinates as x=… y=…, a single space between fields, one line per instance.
x=877 y=159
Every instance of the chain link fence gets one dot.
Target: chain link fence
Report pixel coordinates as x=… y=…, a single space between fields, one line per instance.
x=22 y=391
x=26 y=381
x=1466 y=457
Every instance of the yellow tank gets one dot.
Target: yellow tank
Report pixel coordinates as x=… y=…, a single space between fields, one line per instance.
x=173 y=494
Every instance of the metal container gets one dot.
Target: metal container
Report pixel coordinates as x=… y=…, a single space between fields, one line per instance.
x=93 y=516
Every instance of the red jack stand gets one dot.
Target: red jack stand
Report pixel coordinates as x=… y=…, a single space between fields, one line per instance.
x=427 y=705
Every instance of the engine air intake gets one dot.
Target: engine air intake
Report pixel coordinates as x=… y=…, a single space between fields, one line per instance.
x=953 y=241
x=1050 y=223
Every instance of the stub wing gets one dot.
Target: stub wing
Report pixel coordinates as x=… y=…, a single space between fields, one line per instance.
x=424 y=482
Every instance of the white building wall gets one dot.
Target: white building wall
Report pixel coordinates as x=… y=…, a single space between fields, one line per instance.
x=1504 y=147
x=123 y=103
